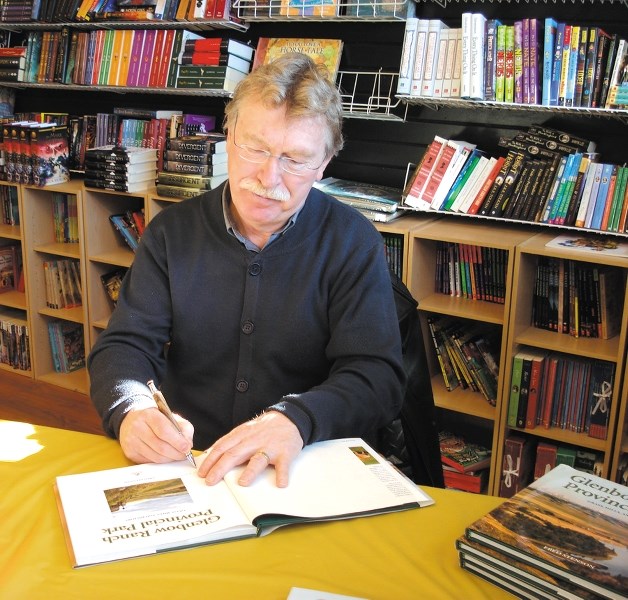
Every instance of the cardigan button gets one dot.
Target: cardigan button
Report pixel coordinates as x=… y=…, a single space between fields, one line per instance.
x=255 y=269
x=242 y=385
x=247 y=327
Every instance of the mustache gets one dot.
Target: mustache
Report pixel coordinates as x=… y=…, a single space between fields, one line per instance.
x=277 y=193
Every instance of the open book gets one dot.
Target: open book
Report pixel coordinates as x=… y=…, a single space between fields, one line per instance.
x=146 y=509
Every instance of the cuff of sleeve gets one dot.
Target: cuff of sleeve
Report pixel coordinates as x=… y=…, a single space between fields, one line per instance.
x=298 y=416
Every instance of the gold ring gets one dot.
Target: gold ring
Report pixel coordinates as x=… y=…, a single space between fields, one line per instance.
x=264 y=455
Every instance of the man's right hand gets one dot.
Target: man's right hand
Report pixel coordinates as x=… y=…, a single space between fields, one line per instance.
x=147 y=436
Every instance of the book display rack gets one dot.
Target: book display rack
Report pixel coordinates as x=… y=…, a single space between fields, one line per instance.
x=387 y=131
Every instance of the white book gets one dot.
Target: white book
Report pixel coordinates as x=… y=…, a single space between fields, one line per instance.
x=419 y=57
x=150 y=508
x=407 y=56
x=441 y=62
x=597 y=178
x=586 y=194
x=452 y=48
x=478 y=35
x=431 y=52
x=461 y=154
x=464 y=192
x=479 y=182
x=465 y=76
x=456 y=78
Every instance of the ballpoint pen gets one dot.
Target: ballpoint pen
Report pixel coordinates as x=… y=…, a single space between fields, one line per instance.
x=164 y=409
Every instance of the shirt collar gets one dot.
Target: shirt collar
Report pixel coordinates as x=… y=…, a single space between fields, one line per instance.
x=232 y=230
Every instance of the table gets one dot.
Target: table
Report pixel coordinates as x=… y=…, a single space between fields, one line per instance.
x=386 y=557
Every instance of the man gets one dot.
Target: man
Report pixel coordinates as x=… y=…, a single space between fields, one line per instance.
x=263 y=308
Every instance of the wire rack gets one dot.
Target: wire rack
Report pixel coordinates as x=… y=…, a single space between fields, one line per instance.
x=445 y=3
x=370 y=94
x=323 y=10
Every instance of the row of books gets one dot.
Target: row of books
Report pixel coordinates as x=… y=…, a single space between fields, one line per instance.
x=539 y=180
x=63 y=283
x=576 y=298
x=393 y=247
x=145 y=58
x=65 y=218
x=465 y=464
x=112 y=280
x=471 y=272
x=563 y=536
x=9 y=210
x=35 y=153
x=121 y=10
x=11 y=268
x=561 y=391
x=67 y=345
x=14 y=344
x=527 y=458
x=466 y=355
x=529 y=61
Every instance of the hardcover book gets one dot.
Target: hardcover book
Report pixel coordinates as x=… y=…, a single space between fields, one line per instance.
x=152 y=508
x=371 y=196
x=325 y=52
x=568 y=524
x=461 y=455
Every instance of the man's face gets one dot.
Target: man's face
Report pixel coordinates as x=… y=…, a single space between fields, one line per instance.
x=264 y=195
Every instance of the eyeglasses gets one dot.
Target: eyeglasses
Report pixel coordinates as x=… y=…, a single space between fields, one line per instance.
x=259 y=156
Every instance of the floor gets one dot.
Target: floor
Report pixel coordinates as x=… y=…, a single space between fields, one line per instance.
x=24 y=399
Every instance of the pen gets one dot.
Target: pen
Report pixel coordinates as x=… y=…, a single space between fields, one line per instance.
x=164 y=409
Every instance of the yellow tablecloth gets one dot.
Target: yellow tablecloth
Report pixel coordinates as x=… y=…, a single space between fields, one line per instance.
x=388 y=557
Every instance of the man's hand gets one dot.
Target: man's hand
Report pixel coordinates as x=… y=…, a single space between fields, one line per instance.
x=270 y=439
x=147 y=436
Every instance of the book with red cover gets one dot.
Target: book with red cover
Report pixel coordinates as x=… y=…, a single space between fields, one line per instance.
x=545 y=458
x=517 y=466
x=461 y=455
x=534 y=388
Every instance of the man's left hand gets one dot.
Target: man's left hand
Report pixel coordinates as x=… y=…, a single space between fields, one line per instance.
x=270 y=439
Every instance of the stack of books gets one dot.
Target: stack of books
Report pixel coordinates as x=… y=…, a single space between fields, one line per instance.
x=193 y=164
x=119 y=168
x=12 y=63
x=376 y=202
x=213 y=63
x=563 y=536
x=67 y=345
x=465 y=465
x=14 y=340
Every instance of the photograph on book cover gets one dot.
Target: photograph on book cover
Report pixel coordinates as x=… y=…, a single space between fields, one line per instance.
x=568 y=523
x=607 y=246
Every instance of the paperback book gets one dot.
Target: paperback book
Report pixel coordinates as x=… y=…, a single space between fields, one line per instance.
x=152 y=508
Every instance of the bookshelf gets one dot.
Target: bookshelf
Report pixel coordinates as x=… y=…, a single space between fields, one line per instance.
x=40 y=246
x=462 y=410
x=524 y=335
x=13 y=303
x=377 y=150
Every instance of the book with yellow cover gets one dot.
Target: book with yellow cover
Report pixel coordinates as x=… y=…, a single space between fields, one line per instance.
x=309 y=8
x=323 y=51
x=147 y=509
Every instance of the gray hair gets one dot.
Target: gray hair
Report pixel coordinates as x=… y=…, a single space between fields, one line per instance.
x=296 y=81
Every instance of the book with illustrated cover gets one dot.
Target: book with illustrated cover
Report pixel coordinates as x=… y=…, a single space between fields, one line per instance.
x=67 y=345
x=152 y=508
x=309 y=8
x=325 y=52
x=568 y=524
x=361 y=195
x=112 y=282
x=462 y=455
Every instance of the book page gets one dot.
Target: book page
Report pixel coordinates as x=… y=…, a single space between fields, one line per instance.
x=144 y=509
x=330 y=480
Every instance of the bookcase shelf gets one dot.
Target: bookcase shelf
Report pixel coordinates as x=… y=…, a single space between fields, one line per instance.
x=270 y=10
x=200 y=25
x=40 y=246
x=491 y=317
x=523 y=336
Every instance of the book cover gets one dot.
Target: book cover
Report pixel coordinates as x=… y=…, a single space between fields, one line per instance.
x=418 y=66
x=517 y=465
x=309 y=8
x=147 y=509
x=408 y=52
x=600 y=396
x=49 y=148
x=377 y=197
x=569 y=524
x=461 y=455
x=323 y=51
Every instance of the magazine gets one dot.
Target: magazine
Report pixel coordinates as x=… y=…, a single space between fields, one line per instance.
x=599 y=245
x=151 y=508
